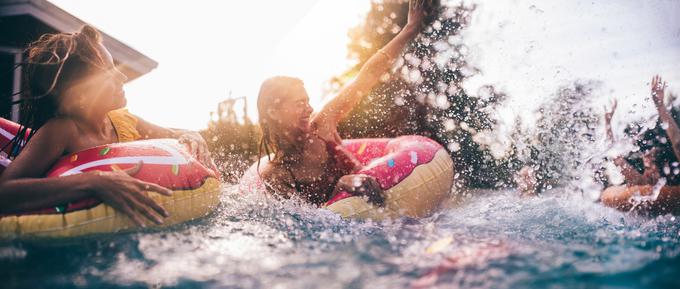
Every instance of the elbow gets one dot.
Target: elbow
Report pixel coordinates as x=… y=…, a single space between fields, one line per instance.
x=7 y=205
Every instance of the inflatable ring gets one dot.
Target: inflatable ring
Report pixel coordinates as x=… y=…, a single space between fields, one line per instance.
x=415 y=172
x=8 y=130
x=662 y=200
x=195 y=189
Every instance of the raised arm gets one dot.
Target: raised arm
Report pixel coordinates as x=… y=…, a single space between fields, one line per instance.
x=630 y=174
x=193 y=140
x=370 y=73
x=671 y=127
x=608 y=114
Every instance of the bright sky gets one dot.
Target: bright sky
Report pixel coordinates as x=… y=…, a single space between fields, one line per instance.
x=207 y=49
x=529 y=48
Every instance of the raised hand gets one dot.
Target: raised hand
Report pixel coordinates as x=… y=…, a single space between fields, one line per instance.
x=526 y=181
x=658 y=88
x=418 y=11
x=129 y=196
x=198 y=148
x=608 y=114
x=371 y=72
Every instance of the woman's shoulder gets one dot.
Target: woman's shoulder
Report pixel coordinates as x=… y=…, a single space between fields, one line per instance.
x=52 y=139
x=277 y=179
x=61 y=126
x=272 y=171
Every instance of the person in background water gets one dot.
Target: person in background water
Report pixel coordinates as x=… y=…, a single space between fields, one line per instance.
x=668 y=199
x=73 y=100
x=650 y=174
x=308 y=161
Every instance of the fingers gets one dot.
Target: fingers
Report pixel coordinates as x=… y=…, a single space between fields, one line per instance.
x=127 y=195
x=148 y=213
x=137 y=205
x=128 y=211
x=204 y=155
x=416 y=4
x=658 y=83
x=192 y=147
x=200 y=151
x=155 y=188
x=655 y=80
x=140 y=204
x=148 y=206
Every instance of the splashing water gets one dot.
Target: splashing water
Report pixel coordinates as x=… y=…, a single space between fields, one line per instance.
x=494 y=239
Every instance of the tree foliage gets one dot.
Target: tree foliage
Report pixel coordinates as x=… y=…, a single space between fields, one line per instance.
x=423 y=93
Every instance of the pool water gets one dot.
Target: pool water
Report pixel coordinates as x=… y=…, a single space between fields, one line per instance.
x=494 y=239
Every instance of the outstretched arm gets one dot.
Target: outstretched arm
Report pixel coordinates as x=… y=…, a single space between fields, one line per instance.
x=370 y=73
x=193 y=140
x=23 y=185
x=630 y=174
x=672 y=129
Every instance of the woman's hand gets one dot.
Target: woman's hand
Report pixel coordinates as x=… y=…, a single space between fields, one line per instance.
x=198 y=148
x=361 y=185
x=128 y=195
x=371 y=72
x=526 y=181
x=417 y=10
x=608 y=115
x=658 y=88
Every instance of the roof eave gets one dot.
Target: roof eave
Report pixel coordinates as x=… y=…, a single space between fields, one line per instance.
x=132 y=62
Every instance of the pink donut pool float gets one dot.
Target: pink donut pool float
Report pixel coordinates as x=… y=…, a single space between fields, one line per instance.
x=415 y=172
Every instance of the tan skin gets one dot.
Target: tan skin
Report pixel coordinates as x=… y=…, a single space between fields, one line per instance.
x=669 y=198
x=295 y=119
x=82 y=123
x=650 y=174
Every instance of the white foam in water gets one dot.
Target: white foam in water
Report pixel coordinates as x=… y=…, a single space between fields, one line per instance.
x=494 y=239
x=530 y=48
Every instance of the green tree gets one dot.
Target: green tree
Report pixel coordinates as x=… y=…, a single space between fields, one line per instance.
x=423 y=93
x=233 y=142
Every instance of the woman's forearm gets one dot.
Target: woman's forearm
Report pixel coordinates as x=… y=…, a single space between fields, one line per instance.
x=610 y=133
x=381 y=61
x=368 y=77
x=672 y=129
x=36 y=193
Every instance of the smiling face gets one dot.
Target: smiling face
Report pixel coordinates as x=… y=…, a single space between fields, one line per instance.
x=284 y=110
x=97 y=92
x=293 y=111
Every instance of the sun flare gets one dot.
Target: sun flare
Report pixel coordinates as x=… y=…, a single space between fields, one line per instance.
x=216 y=49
